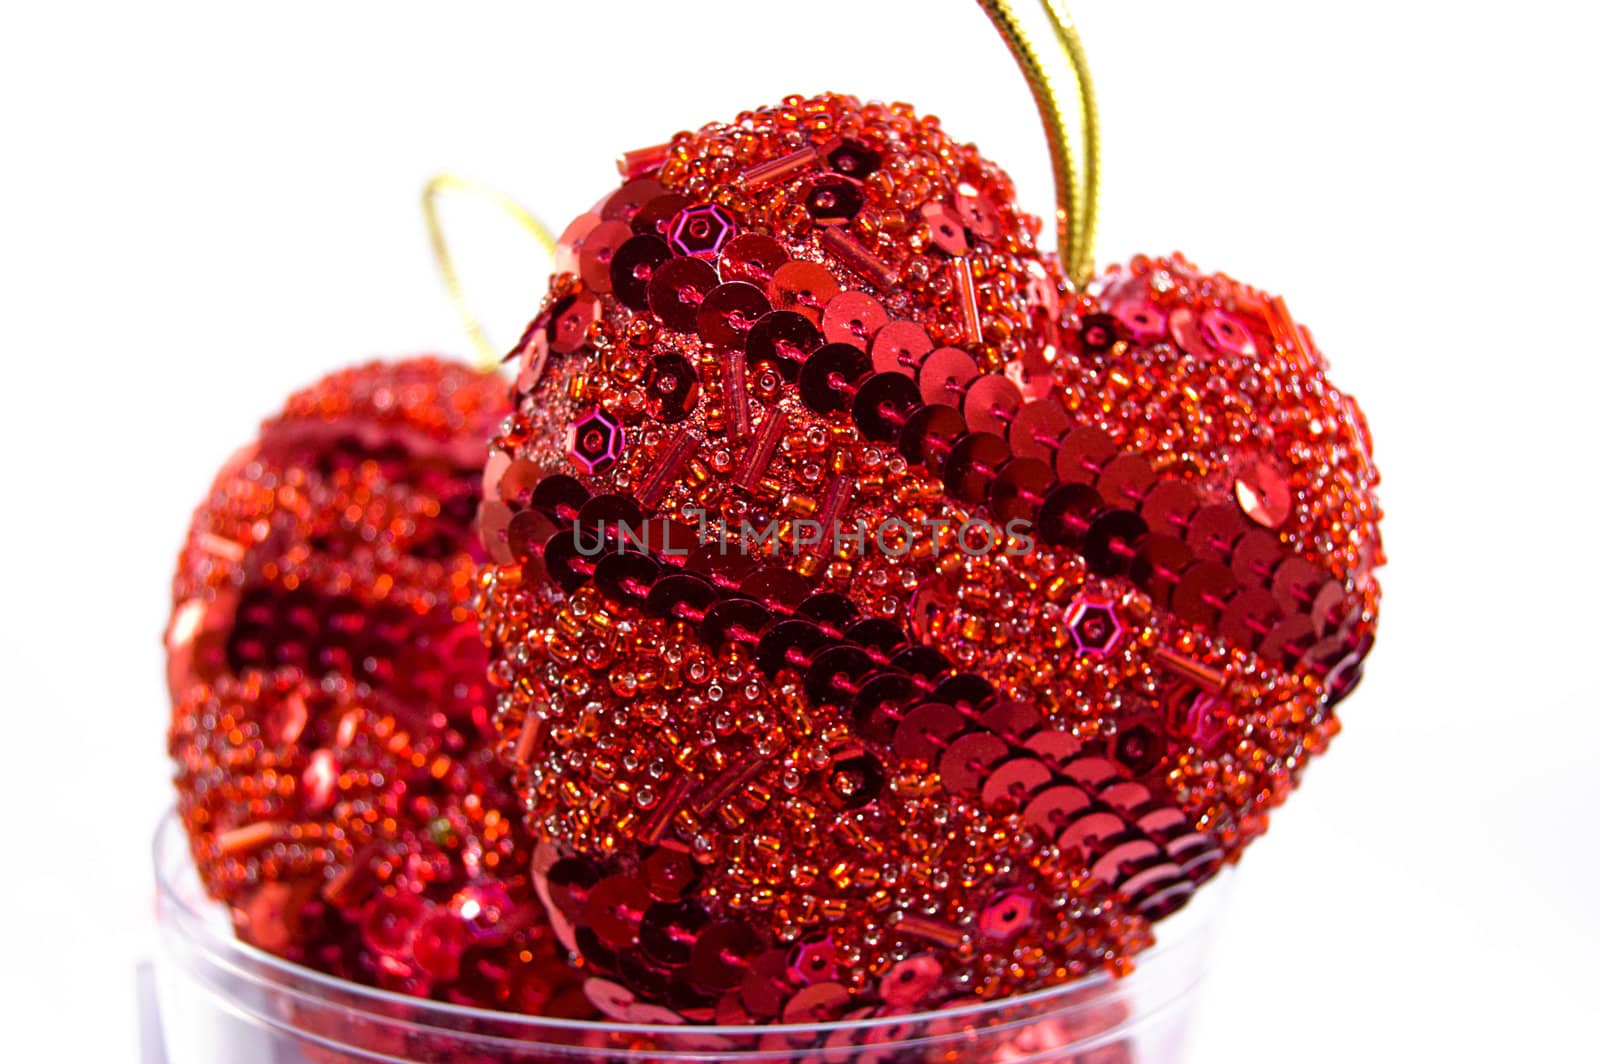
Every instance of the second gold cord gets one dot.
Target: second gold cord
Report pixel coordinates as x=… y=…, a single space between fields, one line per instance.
x=1076 y=204
x=488 y=356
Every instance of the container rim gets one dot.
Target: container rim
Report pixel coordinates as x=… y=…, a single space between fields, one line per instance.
x=172 y=860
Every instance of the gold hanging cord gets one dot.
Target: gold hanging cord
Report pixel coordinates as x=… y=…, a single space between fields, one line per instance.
x=488 y=357
x=1077 y=202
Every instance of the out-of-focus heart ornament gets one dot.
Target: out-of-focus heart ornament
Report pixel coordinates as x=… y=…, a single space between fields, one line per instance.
x=877 y=623
x=334 y=768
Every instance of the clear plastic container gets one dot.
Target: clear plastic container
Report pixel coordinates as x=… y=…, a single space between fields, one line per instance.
x=222 y=1000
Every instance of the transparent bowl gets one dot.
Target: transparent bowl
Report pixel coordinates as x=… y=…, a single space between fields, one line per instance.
x=222 y=1000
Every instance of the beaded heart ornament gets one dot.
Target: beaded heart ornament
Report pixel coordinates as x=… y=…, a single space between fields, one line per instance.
x=334 y=765
x=881 y=618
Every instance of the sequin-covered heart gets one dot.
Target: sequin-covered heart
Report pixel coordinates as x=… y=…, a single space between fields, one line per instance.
x=876 y=623
x=334 y=764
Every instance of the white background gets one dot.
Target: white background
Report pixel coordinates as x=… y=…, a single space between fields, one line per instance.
x=206 y=206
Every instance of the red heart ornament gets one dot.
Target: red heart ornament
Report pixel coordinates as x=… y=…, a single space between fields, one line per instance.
x=333 y=765
x=876 y=623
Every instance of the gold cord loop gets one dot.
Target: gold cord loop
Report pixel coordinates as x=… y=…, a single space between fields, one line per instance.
x=1077 y=204
x=488 y=357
